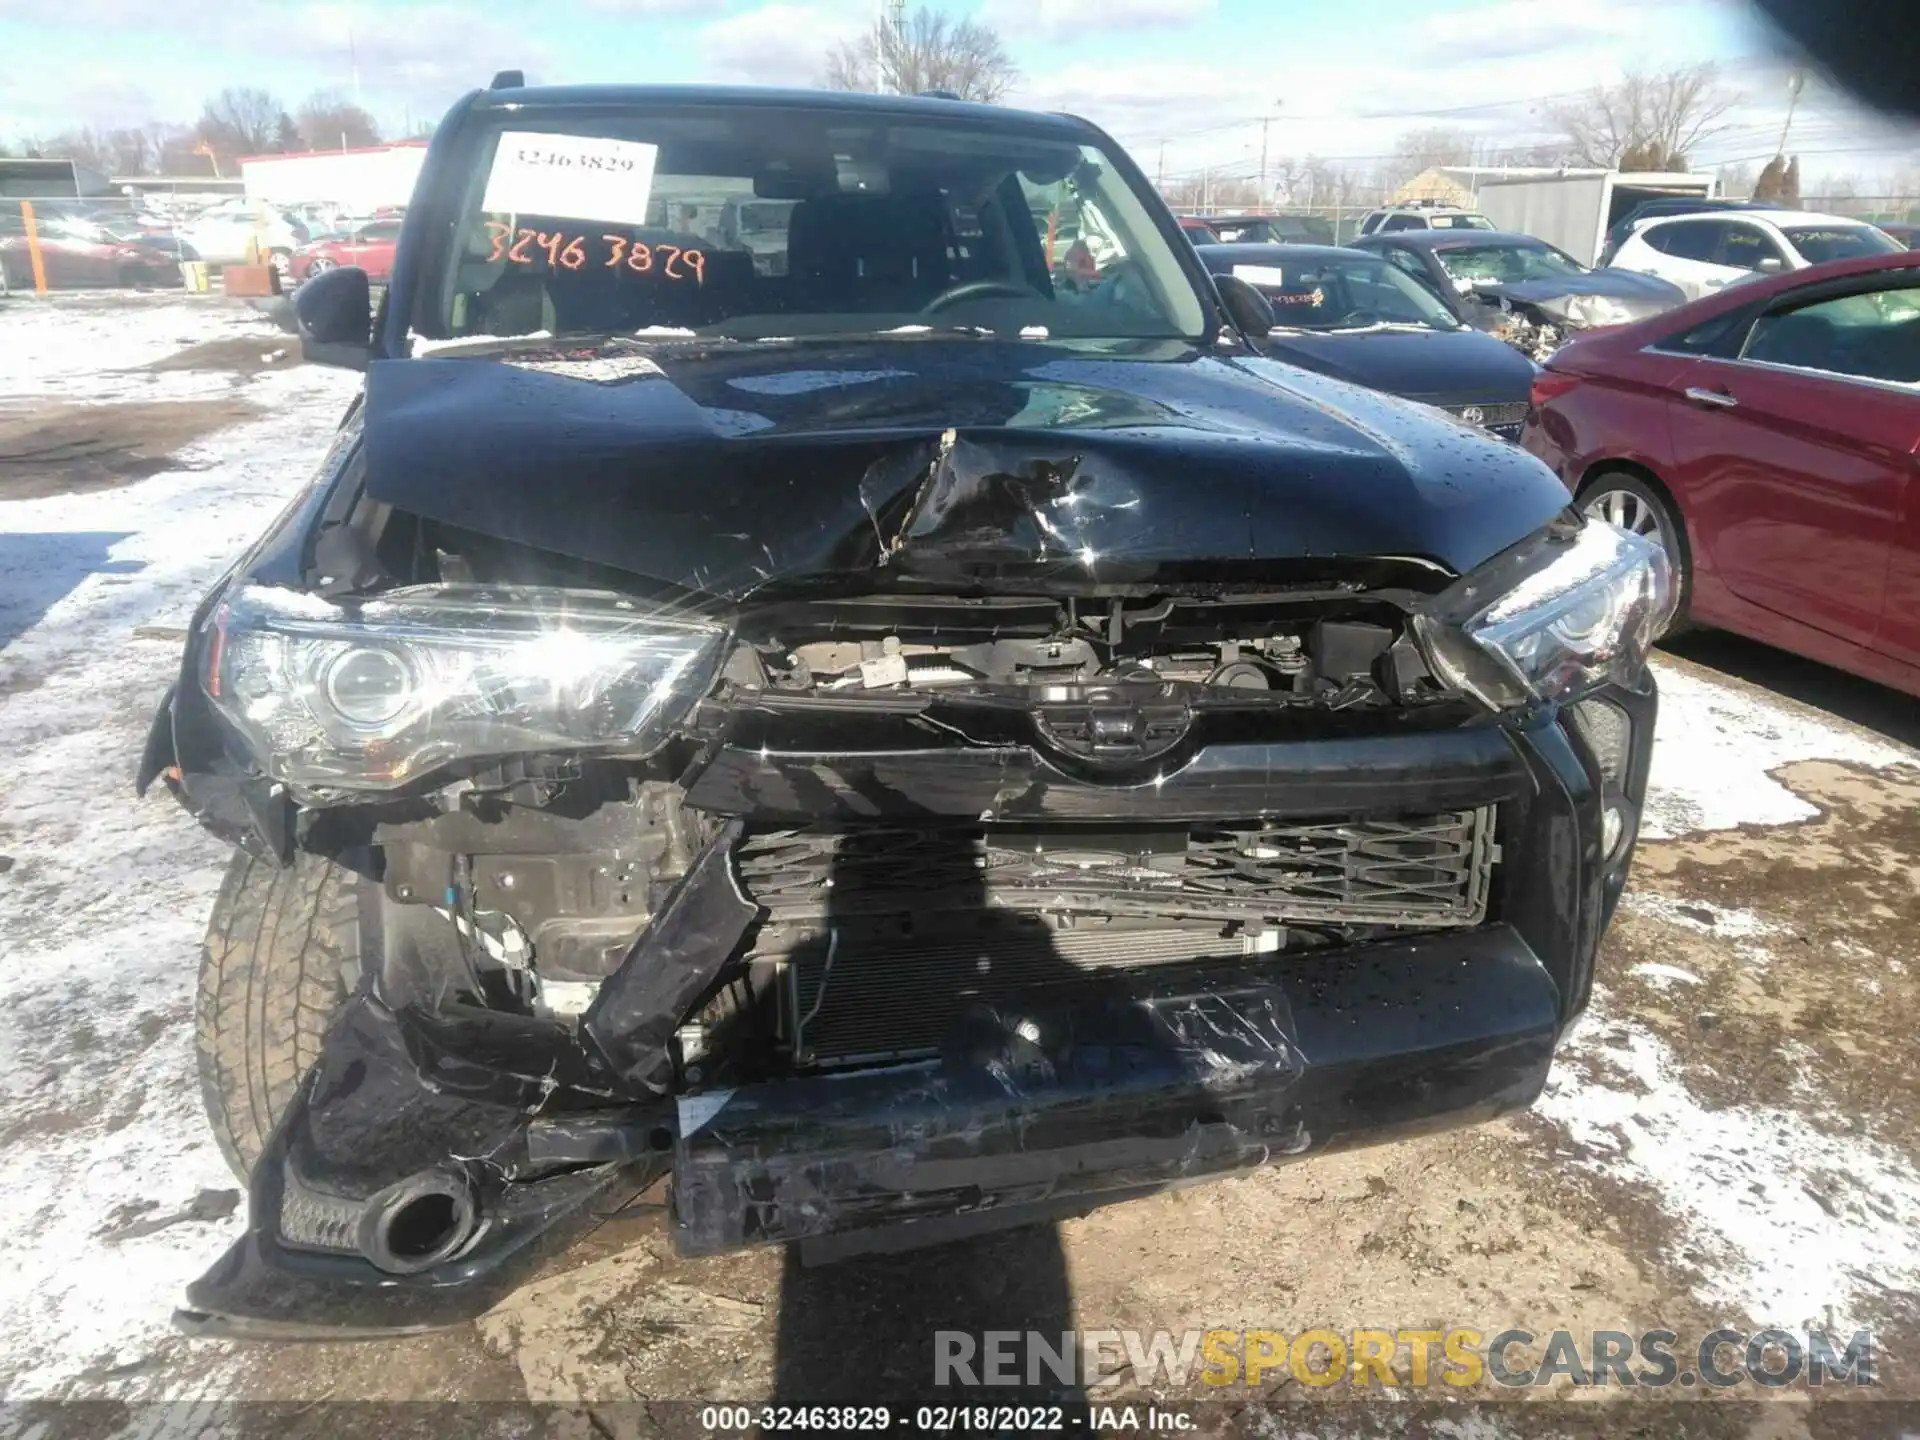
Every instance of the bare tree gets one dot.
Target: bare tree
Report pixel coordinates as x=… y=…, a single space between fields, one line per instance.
x=1419 y=150
x=1735 y=181
x=928 y=51
x=1646 y=122
x=241 y=121
x=328 y=120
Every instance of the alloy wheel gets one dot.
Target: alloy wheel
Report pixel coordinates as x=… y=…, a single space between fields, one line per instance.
x=1639 y=515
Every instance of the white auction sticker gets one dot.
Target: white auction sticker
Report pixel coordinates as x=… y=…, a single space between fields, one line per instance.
x=1260 y=274
x=579 y=177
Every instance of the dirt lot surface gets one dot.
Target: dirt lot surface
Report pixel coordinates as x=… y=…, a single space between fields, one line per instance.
x=60 y=448
x=1730 y=1137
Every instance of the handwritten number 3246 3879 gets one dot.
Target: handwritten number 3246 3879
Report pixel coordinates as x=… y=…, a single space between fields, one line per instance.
x=569 y=252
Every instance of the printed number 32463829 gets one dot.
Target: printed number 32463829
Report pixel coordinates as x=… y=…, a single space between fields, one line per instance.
x=570 y=252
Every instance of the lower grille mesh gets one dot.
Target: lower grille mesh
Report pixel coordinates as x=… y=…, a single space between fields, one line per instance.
x=1428 y=871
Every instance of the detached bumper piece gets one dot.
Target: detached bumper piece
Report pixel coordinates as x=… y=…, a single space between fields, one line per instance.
x=456 y=1195
x=1070 y=1098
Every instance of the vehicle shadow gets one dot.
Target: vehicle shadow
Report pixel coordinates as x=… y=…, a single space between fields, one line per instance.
x=38 y=569
x=864 y=1329
x=1872 y=706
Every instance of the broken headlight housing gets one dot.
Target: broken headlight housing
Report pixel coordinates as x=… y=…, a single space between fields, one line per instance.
x=1572 y=606
x=371 y=695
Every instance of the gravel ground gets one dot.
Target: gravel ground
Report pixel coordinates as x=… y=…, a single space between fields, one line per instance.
x=1729 y=1138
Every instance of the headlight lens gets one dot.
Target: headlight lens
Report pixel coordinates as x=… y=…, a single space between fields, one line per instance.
x=372 y=695
x=1570 y=607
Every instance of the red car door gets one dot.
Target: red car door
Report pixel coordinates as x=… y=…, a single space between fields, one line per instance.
x=373 y=247
x=1796 y=459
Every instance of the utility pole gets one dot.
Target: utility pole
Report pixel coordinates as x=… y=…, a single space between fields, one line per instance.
x=1160 y=169
x=896 y=19
x=1796 y=82
x=1265 y=121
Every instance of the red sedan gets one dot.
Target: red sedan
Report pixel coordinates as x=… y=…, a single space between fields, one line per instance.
x=1767 y=437
x=370 y=247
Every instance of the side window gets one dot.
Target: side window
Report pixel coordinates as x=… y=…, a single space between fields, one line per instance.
x=1745 y=246
x=1370 y=224
x=1688 y=240
x=1874 y=335
x=1407 y=261
x=1719 y=336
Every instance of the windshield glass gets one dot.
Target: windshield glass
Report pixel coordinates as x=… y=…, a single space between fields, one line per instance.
x=1344 y=294
x=1820 y=243
x=1507 y=264
x=759 y=222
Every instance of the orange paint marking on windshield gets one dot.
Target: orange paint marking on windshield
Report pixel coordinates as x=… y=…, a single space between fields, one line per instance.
x=566 y=251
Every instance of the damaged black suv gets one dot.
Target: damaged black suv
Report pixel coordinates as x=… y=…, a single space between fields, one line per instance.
x=894 y=714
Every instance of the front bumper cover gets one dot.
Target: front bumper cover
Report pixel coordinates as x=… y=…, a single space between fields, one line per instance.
x=1074 y=1098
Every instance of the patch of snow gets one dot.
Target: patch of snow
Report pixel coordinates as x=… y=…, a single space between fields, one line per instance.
x=1729 y=922
x=1786 y=1216
x=52 y=341
x=107 y=897
x=1716 y=745
x=1661 y=976
x=1034 y=332
x=422 y=345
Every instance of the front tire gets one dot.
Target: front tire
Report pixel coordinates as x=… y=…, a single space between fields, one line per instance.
x=281 y=954
x=1624 y=499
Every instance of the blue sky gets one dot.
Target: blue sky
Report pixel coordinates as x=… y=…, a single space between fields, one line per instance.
x=1339 y=78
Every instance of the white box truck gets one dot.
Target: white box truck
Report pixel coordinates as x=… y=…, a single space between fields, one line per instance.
x=1574 y=209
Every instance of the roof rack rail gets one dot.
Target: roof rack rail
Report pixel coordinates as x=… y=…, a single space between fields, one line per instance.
x=938 y=95
x=508 y=80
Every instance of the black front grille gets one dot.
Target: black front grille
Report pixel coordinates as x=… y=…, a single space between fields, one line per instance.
x=1425 y=871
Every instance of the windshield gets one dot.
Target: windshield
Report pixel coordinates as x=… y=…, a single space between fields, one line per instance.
x=1820 y=243
x=1507 y=264
x=1344 y=294
x=759 y=222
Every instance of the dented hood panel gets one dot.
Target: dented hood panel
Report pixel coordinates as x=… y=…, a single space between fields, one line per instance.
x=725 y=468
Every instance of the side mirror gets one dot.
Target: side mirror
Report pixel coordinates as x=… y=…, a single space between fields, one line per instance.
x=334 y=315
x=1771 y=265
x=1246 y=306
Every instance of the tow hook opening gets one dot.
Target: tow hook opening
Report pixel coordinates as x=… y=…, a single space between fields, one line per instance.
x=415 y=1224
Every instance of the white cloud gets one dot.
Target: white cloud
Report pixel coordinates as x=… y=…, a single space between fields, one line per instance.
x=777 y=44
x=650 y=7
x=1512 y=28
x=1066 y=19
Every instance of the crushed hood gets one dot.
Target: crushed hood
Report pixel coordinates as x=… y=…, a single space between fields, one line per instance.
x=723 y=468
x=1645 y=294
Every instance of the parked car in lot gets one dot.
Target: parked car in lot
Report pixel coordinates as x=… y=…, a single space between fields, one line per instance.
x=1661 y=207
x=74 y=254
x=369 y=246
x=1764 y=438
x=907 y=747
x=1902 y=232
x=1703 y=253
x=223 y=232
x=1422 y=217
x=1353 y=316
x=1268 y=229
x=1522 y=289
x=1198 y=231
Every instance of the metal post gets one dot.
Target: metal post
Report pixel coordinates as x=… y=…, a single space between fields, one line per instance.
x=34 y=257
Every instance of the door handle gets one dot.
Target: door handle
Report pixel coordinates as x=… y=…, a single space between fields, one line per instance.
x=1712 y=399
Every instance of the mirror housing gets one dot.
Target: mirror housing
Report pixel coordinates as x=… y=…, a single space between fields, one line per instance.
x=333 y=313
x=1245 y=306
x=1770 y=265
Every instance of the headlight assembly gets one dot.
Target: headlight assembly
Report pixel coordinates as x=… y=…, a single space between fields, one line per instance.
x=371 y=695
x=1570 y=607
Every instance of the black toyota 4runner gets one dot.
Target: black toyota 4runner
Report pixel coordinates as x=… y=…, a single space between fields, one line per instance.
x=917 y=732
